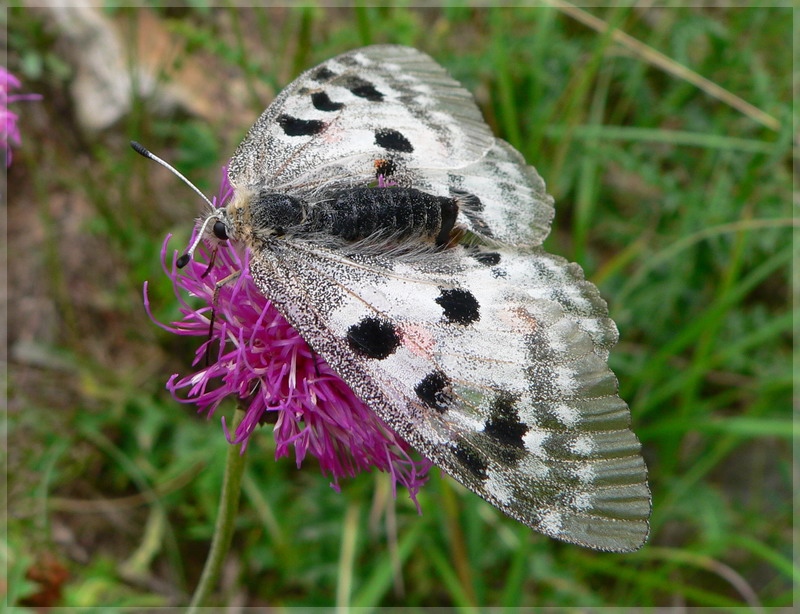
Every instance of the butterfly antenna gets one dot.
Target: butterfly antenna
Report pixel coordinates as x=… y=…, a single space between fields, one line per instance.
x=184 y=260
x=143 y=151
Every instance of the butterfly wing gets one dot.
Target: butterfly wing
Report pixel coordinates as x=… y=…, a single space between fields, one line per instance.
x=394 y=111
x=494 y=368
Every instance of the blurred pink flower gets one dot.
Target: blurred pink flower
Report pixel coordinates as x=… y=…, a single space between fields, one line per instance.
x=258 y=357
x=9 y=132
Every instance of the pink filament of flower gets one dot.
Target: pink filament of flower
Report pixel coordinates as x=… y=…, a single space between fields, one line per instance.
x=9 y=132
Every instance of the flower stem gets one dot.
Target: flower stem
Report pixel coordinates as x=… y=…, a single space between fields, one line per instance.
x=226 y=518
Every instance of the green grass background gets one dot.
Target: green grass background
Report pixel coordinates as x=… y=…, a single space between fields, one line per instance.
x=676 y=204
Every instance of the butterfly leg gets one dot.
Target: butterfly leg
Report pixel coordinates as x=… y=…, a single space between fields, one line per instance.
x=222 y=282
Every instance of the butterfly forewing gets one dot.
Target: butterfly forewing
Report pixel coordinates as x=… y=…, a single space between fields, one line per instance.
x=393 y=111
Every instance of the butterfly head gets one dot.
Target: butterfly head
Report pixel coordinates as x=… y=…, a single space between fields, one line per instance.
x=250 y=216
x=217 y=223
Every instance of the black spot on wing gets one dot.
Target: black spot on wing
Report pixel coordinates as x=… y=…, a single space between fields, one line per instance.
x=323 y=73
x=471 y=459
x=392 y=139
x=485 y=258
x=472 y=206
x=543 y=271
x=292 y=126
x=504 y=426
x=467 y=200
x=322 y=102
x=478 y=223
x=434 y=391
x=538 y=345
x=373 y=338
x=460 y=306
x=363 y=89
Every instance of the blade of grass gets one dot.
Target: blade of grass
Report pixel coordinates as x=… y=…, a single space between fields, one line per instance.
x=266 y=515
x=347 y=555
x=363 y=23
x=570 y=109
x=138 y=477
x=455 y=534
x=512 y=596
x=751 y=427
x=380 y=579
x=541 y=39
x=768 y=332
x=507 y=106
x=708 y=460
x=658 y=259
x=41 y=492
x=658 y=581
x=782 y=563
x=667 y=64
x=686 y=336
x=704 y=345
x=633 y=134
x=458 y=593
x=590 y=169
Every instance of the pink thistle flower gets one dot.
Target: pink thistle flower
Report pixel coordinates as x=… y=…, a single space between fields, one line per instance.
x=257 y=356
x=9 y=132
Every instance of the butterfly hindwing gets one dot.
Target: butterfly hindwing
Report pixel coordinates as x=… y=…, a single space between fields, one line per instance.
x=497 y=373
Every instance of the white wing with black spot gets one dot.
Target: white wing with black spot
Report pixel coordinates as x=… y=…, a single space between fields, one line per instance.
x=495 y=369
x=393 y=111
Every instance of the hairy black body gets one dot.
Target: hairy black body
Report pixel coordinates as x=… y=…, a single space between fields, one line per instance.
x=360 y=213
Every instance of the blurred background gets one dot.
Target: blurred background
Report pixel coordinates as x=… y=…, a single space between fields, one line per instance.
x=666 y=137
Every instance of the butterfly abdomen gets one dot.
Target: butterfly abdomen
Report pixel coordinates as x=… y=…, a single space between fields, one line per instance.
x=360 y=213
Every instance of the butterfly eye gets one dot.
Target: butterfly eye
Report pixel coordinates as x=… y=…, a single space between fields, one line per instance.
x=220 y=231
